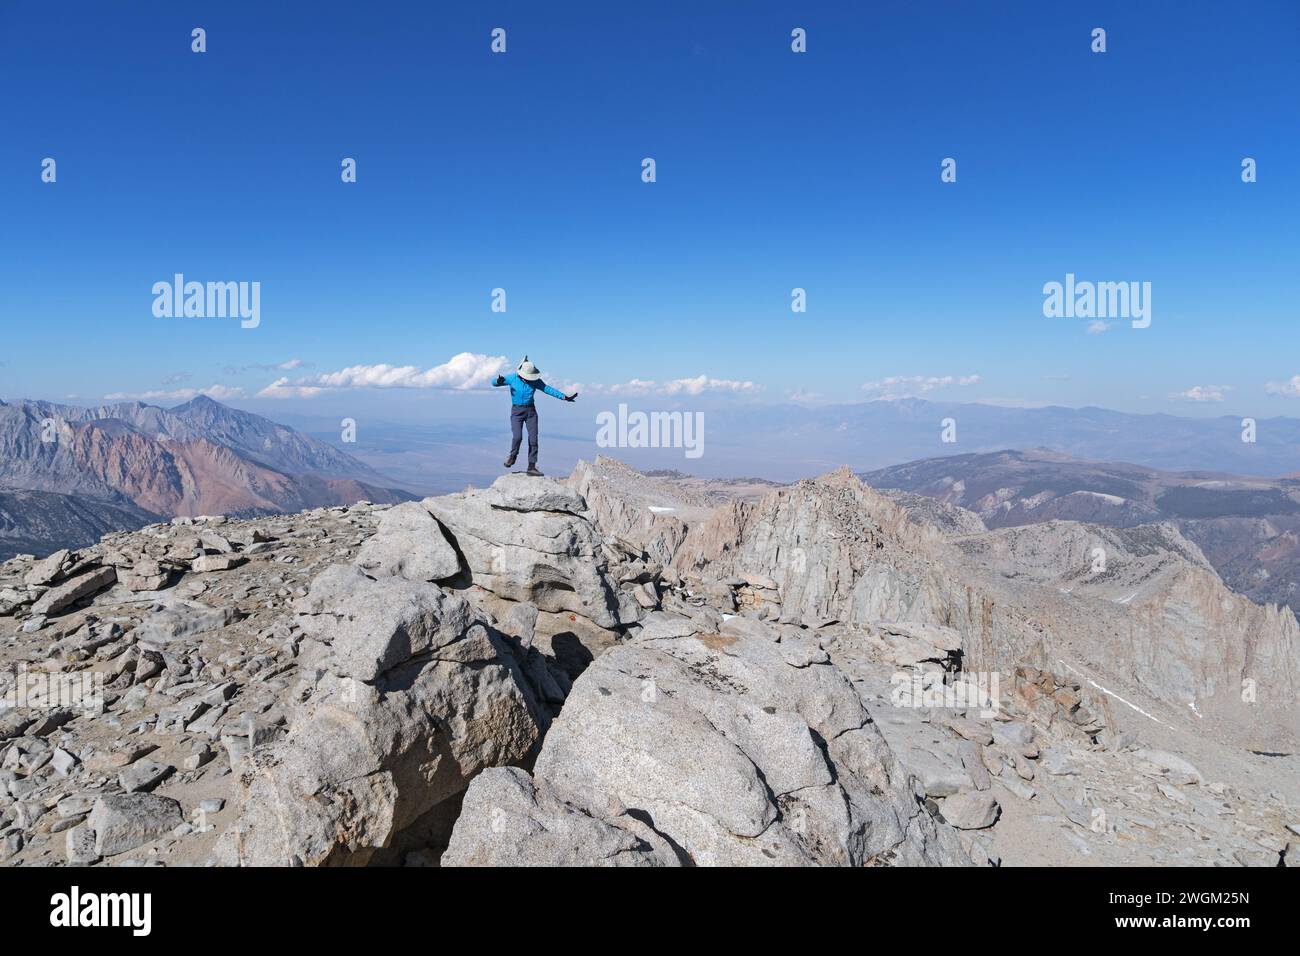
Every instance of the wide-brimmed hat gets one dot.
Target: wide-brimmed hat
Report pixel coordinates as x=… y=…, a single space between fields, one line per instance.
x=528 y=371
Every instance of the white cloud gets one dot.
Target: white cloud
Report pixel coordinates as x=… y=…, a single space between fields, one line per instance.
x=464 y=371
x=218 y=392
x=702 y=383
x=221 y=392
x=1288 y=389
x=699 y=385
x=906 y=386
x=469 y=370
x=1203 y=393
x=281 y=388
x=1098 y=326
x=290 y=365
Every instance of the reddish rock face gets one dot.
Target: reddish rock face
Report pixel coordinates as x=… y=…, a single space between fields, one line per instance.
x=202 y=477
x=70 y=474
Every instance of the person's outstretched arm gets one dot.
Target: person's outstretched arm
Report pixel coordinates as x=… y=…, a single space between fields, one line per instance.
x=556 y=393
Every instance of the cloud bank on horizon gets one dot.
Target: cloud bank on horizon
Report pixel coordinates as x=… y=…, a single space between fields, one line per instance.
x=469 y=370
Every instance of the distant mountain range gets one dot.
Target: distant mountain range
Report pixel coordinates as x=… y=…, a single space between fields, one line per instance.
x=1248 y=528
x=786 y=442
x=127 y=464
x=793 y=441
x=68 y=474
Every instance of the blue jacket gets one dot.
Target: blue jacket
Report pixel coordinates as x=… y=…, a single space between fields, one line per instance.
x=521 y=390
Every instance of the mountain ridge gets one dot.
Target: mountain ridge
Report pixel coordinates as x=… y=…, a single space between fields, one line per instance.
x=1247 y=526
x=149 y=462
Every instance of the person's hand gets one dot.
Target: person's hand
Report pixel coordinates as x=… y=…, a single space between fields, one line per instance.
x=569 y=398
x=500 y=380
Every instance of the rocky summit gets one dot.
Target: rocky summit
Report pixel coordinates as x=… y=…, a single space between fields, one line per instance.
x=622 y=669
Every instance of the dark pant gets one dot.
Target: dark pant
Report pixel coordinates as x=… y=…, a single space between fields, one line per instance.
x=519 y=415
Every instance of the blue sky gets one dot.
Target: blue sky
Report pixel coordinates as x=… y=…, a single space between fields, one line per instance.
x=775 y=170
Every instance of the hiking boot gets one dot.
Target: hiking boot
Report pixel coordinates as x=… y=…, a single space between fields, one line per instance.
x=510 y=462
x=532 y=470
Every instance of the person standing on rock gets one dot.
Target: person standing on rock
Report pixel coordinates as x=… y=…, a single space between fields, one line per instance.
x=523 y=382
